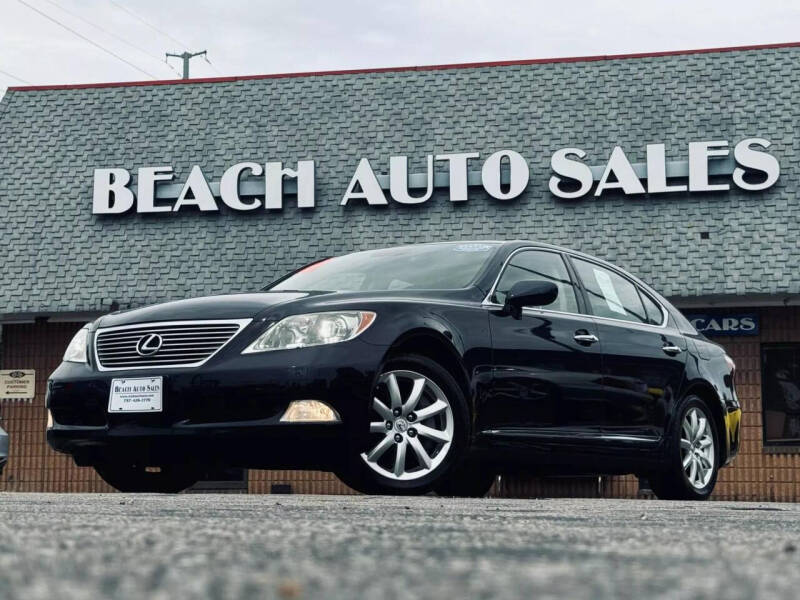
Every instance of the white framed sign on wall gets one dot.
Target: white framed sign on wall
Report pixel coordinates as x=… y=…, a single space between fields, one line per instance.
x=18 y=384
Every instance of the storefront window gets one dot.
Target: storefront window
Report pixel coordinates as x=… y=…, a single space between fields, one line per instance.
x=780 y=381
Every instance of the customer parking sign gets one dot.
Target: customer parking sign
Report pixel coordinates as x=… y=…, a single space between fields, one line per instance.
x=18 y=384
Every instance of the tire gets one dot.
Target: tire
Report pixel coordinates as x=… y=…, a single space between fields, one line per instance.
x=127 y=477
x=676 y=482
x=374 y=468
x=467 y=480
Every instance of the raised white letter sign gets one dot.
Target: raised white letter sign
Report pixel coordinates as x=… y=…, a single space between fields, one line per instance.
x=504 y=175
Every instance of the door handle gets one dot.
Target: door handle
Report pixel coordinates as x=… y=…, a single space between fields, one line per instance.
x=584 y=337
x=672 y=349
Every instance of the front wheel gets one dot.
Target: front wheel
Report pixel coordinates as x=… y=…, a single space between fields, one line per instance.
x=692 y=464
x=130 y=477
x=417 y=429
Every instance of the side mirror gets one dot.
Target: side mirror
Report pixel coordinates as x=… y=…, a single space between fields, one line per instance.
x=529 y=293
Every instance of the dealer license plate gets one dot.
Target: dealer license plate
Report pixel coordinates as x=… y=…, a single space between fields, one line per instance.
x=142 y=394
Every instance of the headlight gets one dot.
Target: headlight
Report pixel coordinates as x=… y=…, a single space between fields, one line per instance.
x=316 y=329
x=76 y=351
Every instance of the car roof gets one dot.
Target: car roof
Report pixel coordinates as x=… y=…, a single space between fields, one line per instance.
x=512 y=245
x=519 y=243
x=579 y=254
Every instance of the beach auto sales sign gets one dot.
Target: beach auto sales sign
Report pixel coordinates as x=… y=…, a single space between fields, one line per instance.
x=708 y=166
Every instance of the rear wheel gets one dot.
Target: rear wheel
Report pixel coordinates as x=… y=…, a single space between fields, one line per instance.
x=417 y=429
x=131 y=477
x=692 y=464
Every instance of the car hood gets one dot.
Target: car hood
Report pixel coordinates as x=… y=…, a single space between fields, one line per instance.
x=229 y=306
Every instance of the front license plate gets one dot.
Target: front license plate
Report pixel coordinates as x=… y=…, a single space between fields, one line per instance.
x=142 y=394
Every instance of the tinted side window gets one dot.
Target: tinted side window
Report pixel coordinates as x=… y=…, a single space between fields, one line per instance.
x=609 y=294
x=655 y=314
x=538 y=265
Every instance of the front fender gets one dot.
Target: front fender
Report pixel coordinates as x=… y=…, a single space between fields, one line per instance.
x=457 y=337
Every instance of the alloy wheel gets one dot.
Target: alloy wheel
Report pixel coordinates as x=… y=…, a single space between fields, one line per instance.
x=697 y=448
x=415 y=429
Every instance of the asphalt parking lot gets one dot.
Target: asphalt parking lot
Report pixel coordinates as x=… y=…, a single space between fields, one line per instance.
x=234 y=546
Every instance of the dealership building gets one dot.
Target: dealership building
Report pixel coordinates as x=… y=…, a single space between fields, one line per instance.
x=681 y=167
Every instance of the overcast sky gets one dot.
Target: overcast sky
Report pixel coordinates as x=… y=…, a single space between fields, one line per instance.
x=267 y=36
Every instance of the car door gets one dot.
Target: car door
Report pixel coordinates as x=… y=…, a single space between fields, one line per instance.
x=644 y=355
x=546 y=363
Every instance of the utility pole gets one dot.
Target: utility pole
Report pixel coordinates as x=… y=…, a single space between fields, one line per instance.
x=186 y=56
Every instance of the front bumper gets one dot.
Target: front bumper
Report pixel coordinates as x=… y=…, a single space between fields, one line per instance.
x=226 y=411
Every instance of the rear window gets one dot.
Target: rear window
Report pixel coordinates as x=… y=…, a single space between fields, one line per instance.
x=610 y=295
x=655 y=315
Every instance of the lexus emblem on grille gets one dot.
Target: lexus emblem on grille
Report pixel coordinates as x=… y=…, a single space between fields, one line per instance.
x=149 y=344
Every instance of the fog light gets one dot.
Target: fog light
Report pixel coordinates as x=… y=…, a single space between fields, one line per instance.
x=49 y=419
x=310 y=411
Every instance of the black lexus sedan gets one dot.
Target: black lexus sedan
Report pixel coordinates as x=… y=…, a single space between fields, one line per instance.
x=405 y=370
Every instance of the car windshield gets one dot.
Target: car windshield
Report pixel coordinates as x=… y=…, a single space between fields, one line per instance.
x=444 y=266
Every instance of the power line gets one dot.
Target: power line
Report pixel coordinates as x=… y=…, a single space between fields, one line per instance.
x=116 y=36
x=20 y=79
x=86 y=39
x=150 y=25
x=216 y=70
x=160 y=31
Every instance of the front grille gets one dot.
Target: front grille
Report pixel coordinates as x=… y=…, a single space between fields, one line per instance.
x=182 y=343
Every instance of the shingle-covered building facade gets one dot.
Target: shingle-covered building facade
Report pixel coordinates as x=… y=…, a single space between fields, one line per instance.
x=722 y=244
